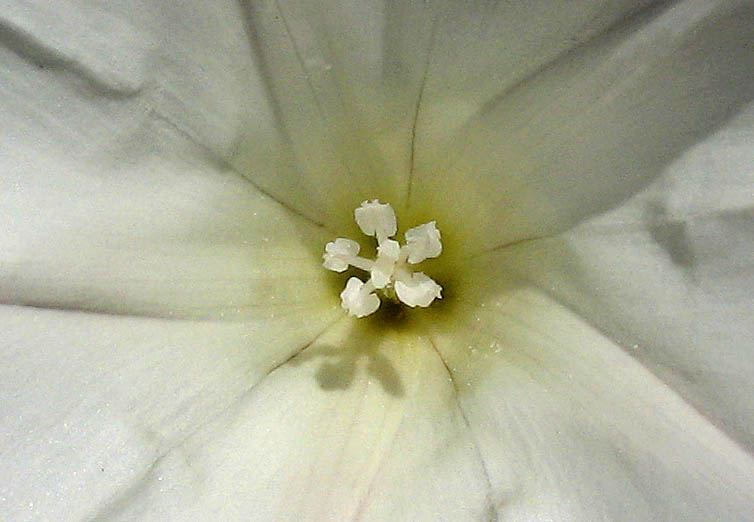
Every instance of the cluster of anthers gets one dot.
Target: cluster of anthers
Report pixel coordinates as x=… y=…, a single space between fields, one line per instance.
x=391 y=272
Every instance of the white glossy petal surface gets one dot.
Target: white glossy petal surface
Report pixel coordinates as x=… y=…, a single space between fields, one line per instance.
x=90 y=404
x=106 y=206
x=357 y=427
x=362 y=90
x=668 y=275
x=593 y=127
x=189 y=61
x=571 y=427
x=128 y=132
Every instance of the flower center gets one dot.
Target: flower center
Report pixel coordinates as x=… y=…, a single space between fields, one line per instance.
x=391 y=273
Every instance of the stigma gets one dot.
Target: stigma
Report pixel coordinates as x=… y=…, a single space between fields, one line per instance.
x=391 y=274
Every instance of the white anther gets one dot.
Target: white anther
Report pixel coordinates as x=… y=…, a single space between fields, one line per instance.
x=417 y=290
x=390 y=249
x=382 y=270
x=339 y=253
x=389 y=271
x=376 y=219
x=358 y=299
x=423 y=242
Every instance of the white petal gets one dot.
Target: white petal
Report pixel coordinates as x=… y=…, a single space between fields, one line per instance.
x=324 y=167
x=358 y=427
x=593 y=128
x=456 y=57
x=359 y=87
x=186 y=61
x=92 y=404
x=105 y=207
x=669 y=275
x=572 y=428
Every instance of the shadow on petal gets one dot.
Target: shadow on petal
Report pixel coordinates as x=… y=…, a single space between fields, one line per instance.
x=361 y=351
x=671 y=235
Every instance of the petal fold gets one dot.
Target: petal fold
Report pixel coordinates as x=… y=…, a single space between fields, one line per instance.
x=187 y=60
x=570 y=426
x=669 y=276
x=595 y=126
x=90 y=404
x=106 y=206
x=357 y=90
x=359 y=426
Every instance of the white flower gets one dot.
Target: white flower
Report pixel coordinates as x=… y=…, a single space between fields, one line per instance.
x=172 y=348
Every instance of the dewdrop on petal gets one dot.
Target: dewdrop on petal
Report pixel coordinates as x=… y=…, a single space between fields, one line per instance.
x=390 y=273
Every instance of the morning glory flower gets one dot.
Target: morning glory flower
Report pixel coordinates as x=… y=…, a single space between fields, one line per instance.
x=575 y=176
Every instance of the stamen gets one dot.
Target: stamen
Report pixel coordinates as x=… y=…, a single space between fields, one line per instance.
x=341 y=253
x=417 y=289
x=376 y=219
x=358 y=298
x=390 y=272
x=382 y=270
x=338 y=254
x=423 y=242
